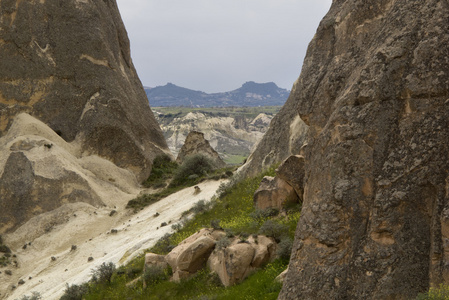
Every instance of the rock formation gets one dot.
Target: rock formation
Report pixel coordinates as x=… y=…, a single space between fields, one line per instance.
x=68 y=64
x=274 y=192
x=374 y=92
x=285 y=136
x=196 y=144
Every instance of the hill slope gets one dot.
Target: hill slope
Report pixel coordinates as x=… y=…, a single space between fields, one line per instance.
x=249 y=94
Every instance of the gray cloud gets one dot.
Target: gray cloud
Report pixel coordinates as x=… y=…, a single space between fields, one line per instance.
x=216 y=45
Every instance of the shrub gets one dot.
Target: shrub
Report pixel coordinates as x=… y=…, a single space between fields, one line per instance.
x=284 y=248
x=222 y=243
x=262 y=214
x=75 y=292
x=103 y=273
x=155 y=274
x=274 y=230
x=215 y=224
x=199 y=207
x=34 y=296
x=197 y=165
x=163 y=245
x=163 y=169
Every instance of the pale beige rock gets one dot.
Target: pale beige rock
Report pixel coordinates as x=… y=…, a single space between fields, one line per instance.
x=265 y=250
x=291 y=171
x=195 y=143
x=155 y=260
x=274 y=192
x=281 y=277
x=232 y=264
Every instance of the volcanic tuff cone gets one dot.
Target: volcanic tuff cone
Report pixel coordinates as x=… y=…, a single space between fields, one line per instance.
x=68 y=64
x=195 y=143
x=70 y=104
x=374 y=92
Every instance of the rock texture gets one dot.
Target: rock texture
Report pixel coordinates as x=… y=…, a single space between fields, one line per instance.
x=374 y=91
x=195 y=143
x=292 y=171
x=285 y=136
x=68 y=64
x=274 y=192
x=40 y=172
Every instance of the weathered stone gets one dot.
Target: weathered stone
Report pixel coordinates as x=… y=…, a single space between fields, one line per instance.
x=265 y=250
x=232 y=264
x=73 y=71
x=192 y=253
x=195 y=143
x=374 y=91
x=292 y=171
x=274 y=192
x=155 y=260
x=285 y=136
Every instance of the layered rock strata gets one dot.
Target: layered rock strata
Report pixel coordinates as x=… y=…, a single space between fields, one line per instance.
x=374 y=92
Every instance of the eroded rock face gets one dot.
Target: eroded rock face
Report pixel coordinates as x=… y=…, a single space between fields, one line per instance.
x=292 y=171
x=68 y=64
x=274 y=192
x=285 y=136
x=195 y=143
x=374 y=91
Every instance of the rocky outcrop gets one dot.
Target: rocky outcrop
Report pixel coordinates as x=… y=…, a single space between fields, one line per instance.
x=41 y=172
x=274 y=192
x=285 y=136
x=232 y=259
x=195 y=143
x=292 y=171
x=374 y=92
x=68 y=64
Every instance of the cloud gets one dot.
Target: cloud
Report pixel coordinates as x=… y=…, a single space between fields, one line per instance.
x=216 y=45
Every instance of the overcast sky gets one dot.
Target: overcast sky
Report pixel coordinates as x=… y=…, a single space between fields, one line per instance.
x=217 y=45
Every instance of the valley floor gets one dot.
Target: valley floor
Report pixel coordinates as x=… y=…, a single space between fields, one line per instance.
x=49 y=262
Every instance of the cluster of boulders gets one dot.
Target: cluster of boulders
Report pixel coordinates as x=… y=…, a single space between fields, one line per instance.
x=232 y=259
x=286 y=188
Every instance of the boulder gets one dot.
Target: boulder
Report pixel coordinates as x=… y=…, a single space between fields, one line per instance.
x=274 y=192
x=232 y=264
x=155 y=260
x=195 y=143
x=192 y=253
x=374 y=91
x=265 y=250
x=291 y=171
x=73 y=71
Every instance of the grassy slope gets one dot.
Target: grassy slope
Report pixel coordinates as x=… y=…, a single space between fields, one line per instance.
x=233 y=210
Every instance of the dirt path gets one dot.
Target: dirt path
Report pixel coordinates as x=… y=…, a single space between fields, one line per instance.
x=89 y=229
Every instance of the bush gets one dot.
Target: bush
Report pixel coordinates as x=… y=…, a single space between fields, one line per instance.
x=215 y=224
x=284 y=248
x=440 y=293
x=197 y=165
x=155 y=274
x=263 y=214
x=34 y=296
x=163 y=169
x=103 y=273
x=274 y=230
x=75 y=292
x=163 y=245
x=222 y=243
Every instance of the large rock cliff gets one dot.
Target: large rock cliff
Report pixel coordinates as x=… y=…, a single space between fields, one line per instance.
x=374 y=91
x=70 y=104
x=68 y=64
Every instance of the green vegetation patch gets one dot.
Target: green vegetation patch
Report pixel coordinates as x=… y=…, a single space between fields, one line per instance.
x=162 y=170
x=440 y=293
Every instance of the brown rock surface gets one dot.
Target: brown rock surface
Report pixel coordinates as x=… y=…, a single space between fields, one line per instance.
x=374 y=91
x=274 y=192
x=68 y=64
x=195 y=143
x=292 y=171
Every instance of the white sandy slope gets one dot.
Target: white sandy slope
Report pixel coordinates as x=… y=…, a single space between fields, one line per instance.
x=90 y=232
x=88 y=227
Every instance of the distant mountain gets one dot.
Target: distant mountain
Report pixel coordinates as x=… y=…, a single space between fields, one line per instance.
x=249 y=94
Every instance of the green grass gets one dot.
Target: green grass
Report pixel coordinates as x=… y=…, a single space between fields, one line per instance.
x=234 y=160
x=236 y=212
x=440 y=293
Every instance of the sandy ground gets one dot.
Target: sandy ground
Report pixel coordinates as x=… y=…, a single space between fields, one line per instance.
x=88 y=228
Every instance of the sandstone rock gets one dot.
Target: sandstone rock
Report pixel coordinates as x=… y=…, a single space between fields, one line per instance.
x=232 y=264
x=155 y=260
x=274 y=192
x=196 y=144
x=192 y=253
x=36 y=179
x=374 y=91
x=281 y=277
x=292 y=171
x=285 y=136
x=265 y=250
x=73 y=71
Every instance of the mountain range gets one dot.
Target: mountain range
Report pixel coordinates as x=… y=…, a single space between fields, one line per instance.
x=249 y=94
